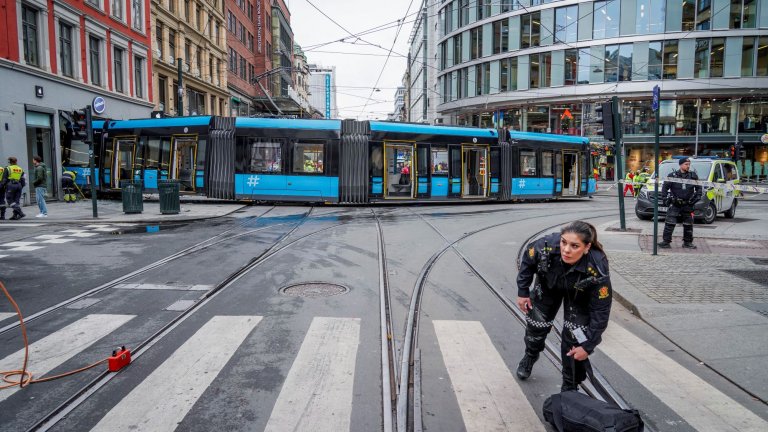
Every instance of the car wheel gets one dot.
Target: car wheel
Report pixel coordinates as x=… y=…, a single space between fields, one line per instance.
x=710 y=213
x=731 y=213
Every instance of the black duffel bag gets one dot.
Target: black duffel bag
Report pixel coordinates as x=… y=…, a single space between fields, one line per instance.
x=572 y=411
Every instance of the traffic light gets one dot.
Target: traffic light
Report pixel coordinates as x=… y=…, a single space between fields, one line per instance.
x=732 y=151
x=81 y=124
x=739 y=151
x=605 y=118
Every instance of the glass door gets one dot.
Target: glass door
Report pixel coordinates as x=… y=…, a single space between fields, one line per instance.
x=40 y=143
x=475 y=172
x=571 y=180
x=120 y=163
x=423 y=171
x=399 y=175
x=183 y=164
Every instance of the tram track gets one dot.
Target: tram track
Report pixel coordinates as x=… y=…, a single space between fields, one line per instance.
x=81 y=395
x=407 y=398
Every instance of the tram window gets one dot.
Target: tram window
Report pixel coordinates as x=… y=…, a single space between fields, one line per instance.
x=266 y=157
x=201 y=153
x=138 y=160
x=422 y=160
x=158 y=153
x=546 y=163
x=308 y=158
x=377 y=161
x=527 y=163
x=439 y=162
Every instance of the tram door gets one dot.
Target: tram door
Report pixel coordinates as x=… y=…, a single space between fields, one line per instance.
x=120 y=162
x=183 y=163
x=475 y=171
x=399 y=175
x=571 y=177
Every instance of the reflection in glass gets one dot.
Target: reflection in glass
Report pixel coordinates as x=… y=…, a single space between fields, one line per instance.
x=611 y=67
x=717 y=54
x=701 y=59
x=670 y=59
x=748 y=57
x=654 y=61
x=689 y=15
x=584 y=61
x=715 y=116
x=703 y=14
x=571 y=67
x=606 y=19
x=625 y=62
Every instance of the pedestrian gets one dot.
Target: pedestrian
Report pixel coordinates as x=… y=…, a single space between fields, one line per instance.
x=3 y=175
x=629 y=185
x=571 y=268
x=680 y=199
x=14 y=182
x=41 y=185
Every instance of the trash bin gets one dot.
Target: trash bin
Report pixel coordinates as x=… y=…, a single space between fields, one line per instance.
x=132 y=199
x=169 y=196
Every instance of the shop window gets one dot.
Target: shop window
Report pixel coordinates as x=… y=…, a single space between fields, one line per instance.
x=715 y=116
x=439 y=162
x=528 y=163
x=308 y=158
x=537 y=118
x=638 y=118
x=265 y=157
x=565 y=119
x=753 y=115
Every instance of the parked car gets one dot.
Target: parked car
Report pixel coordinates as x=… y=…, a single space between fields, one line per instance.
x=713 y=200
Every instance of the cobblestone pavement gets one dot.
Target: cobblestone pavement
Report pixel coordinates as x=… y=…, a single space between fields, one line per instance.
x=718 y=246
x=676 y=278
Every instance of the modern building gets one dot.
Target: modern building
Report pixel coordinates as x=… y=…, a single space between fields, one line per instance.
x=543 y=67
x=249 y=50
x=399 y=112
x=322 y=89
x=60 y=55
x=421 y=86
x=189 y=34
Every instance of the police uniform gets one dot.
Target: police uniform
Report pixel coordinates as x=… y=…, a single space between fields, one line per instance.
x=14 y=183
x=2 y=193
x=680 y=198
x=585 y=290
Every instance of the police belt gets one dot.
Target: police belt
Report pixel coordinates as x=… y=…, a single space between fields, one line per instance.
x=724 y=186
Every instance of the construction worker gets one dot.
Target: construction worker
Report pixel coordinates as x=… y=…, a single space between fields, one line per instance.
x=68 y=185
x=2 y=193
x=14 y=183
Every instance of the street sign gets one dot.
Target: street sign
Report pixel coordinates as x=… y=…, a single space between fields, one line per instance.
x=656 y=94
x=99 y=105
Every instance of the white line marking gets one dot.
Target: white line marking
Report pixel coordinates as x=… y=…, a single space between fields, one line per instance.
x=5 y=315
x=58 y=241
x=703 y=406
x=18 y=244
x=175 y=287
x=73 y=231
x=317 y=394
x=104 y=229
x=83 y=234
x=162 y=400
x=60 y=346
x=97 y=226
x=24 y=248
x=489 y=397
x=3 y=256
x=49 y=236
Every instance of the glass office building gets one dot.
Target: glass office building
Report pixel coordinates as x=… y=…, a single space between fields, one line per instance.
x=543 y=66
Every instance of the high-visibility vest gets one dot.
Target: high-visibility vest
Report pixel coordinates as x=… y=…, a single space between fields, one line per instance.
x=70 y=174
x=15 y=172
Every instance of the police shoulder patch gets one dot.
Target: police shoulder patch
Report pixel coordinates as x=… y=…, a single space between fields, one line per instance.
x=531 y=252
x=603 y=292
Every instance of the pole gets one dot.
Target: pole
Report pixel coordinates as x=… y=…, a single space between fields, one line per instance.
x=656 y=187
x=619 y=150
x=180 y=91
x=91 y=164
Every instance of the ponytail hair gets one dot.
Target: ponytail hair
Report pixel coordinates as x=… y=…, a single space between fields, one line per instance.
x=586 y=232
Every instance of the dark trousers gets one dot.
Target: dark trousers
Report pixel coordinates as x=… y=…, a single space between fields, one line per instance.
x=13 y=195
x=677 y=214
x=539 y=322
x=2 y=202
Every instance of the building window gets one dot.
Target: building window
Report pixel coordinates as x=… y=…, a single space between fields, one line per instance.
x=250 y=42
x=571 y=67
x=689 y=15
x=65 y=50
x=117 y=9
x=762 y=57
x=749 y=16
x=654 y=61
x=138 y=13
x=94 y=45
x=650 y=16
x=611 y=63
x=117 y=57
x=186 y=10
x=486 y=78
x=456 y=50
x=30 y=36
x=210 y=67
x=476 y=41
x=545 y=69
x=171 y=6
x=233 y=61
x=138 y=79
x=717 y=54
x=530 y=30
x=162 y=92
x=670 y=59
x=172 y=44
x=242 y=68
x=500 y=36
x=748 y=57
x=606 y=19
x=478 y=80
x=701 y=59
x=159 y=39
x=585 y=59
x=199 y=16
x=196 y=101
x=533 y=72
x=625 y=62
x=483 y=9
x=448 y=19
x=566 y=19
x=241 y=33
x=463 y=12
x=188 y=53
x=703 y=14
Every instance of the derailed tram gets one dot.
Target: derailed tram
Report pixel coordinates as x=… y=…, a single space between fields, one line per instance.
x=337 y=161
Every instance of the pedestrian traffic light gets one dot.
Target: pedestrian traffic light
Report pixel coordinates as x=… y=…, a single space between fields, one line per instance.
x=81 y=124
x=605 y=119
x=732 y=151
x=739 y=151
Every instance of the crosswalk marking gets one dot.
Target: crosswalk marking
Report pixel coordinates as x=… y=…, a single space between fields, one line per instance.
x=317 y=394
x=3 y=256
x=18 y=244
x=162 y=400
x=703 y=406
x=489 y=397
x=174 y=287
x=58 y=241
x=49 y=236
x=56 y=348
x=84 y=234
x=4 y=315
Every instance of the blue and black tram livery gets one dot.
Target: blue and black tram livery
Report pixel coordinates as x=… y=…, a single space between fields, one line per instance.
x=338 y=161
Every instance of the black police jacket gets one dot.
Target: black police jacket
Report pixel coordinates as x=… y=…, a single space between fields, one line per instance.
x=586 y=284
x=681 y=194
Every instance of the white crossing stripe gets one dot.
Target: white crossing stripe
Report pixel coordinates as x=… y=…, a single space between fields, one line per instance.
x=489 y=397
x=49 y=236
x=84 y=234
x=4 y=315
x=60 y=346
x=174 y=287
x=96 y=226
x=75 y=231
x=58 y=241
x=162 y=400
x=317 y=394
x=104 y=229
x=3 y=256
x=703 y=406
x=24 y=248
x=18 y=244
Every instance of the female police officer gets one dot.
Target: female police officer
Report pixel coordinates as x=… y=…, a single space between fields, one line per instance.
x=571 y=268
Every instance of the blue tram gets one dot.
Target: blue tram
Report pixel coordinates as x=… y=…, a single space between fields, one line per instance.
x=337 y=161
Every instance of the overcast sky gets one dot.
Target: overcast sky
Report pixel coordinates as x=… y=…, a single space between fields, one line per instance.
x=361 y=62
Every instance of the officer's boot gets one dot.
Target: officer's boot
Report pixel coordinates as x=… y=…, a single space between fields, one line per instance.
x=688 y=236
x=667 y=236
x=525 y=366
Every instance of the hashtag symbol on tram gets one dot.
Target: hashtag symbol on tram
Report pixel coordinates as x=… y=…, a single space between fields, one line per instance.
x=521 y=183
x=253 y=181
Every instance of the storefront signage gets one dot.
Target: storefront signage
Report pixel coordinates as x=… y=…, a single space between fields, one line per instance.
x=327 y=96
x=99 y=105
x=259 y=24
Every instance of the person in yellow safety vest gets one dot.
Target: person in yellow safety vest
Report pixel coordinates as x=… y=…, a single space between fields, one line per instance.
x=2 y=194
x=68 y=184
x=629 y=183
x=309 y=166
x=14 y=182
x=641 y=179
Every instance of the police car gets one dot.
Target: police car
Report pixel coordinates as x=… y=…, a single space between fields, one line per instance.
x=713 y=200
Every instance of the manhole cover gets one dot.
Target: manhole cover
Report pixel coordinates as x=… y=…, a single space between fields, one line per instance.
x=314 y=289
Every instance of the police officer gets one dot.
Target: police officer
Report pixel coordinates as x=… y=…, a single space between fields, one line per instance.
x=570 y=268
x=14 y=183
x=680 y=198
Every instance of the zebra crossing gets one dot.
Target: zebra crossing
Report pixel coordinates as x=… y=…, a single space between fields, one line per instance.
x=61 y=237
x=317 y=394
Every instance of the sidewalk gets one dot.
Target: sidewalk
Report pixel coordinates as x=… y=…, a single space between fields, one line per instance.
x=112 y=212
x=712 y=302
